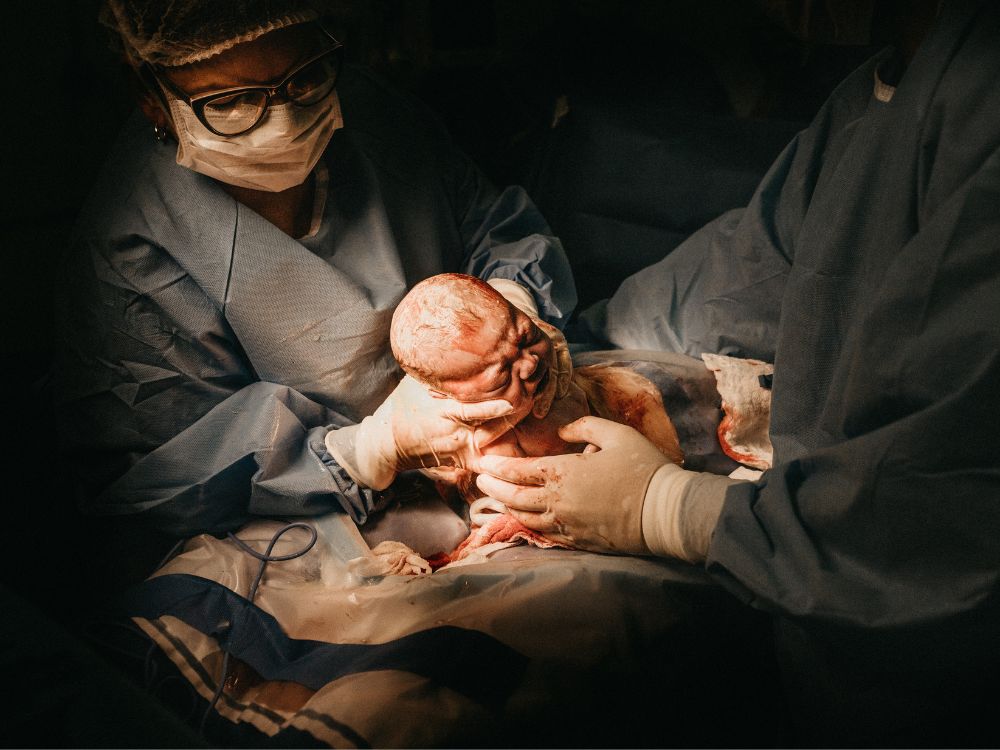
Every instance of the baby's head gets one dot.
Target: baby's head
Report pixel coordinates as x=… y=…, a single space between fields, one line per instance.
x=458 y=336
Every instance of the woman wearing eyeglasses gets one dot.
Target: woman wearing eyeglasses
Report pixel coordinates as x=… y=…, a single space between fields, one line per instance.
x=226 y=302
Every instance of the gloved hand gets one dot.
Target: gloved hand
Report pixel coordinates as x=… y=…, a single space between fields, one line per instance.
x=620 y=495
x=414 y=429
x=591 y=500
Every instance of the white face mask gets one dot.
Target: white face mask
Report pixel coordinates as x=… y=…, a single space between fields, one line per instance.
x=277 y=154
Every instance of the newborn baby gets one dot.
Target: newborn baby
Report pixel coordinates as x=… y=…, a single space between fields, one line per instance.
x=459 y=337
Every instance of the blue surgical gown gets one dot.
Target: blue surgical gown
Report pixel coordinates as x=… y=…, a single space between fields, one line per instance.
x=867 y=269
x=203 y=354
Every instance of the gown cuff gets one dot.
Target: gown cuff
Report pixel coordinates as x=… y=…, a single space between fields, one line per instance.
x=681 y=510
x=357 y=500
x=362 y=449
x=342 y=445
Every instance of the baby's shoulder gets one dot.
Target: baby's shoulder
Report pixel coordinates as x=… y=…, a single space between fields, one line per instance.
x=540 y=437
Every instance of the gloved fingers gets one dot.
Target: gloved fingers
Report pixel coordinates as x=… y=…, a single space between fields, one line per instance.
x=550 y=525
x=523 y=471
x=475 y=411
x=515 y=496
x=544 y=523
x=486 y=433
x=407 y=394
x=412 y=400
x=596 y=431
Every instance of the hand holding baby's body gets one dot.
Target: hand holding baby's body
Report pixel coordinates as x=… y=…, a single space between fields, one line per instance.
x=614 y=393
x=532 y=436
x=463 y=340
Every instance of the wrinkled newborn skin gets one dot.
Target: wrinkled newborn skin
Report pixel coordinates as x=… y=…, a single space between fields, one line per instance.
x=459 y=337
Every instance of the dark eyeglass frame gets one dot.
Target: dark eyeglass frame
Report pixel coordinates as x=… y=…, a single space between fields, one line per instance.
x=199 y=102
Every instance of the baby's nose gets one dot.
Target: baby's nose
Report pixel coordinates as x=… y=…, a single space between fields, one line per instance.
x=527 y=365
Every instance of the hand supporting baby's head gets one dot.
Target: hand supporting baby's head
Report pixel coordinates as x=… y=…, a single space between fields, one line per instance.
x=460 y=337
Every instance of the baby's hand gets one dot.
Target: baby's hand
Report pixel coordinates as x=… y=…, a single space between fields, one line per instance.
x=463 y=480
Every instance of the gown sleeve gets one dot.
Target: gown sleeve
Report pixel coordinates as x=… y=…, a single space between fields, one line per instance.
x=894 y=529
x=162 y=416
x=720 y=290
x=504 y=236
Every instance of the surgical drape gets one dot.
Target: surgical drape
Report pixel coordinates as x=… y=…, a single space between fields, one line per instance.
x=204 y=354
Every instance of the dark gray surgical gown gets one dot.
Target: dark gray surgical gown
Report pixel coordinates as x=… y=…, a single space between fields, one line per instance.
x=204 y=354
x=867 y=268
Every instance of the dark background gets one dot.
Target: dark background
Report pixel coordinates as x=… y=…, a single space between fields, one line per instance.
x=493 y=69
x=631 y=124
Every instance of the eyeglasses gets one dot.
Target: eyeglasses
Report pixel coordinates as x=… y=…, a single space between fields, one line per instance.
x=237 y=110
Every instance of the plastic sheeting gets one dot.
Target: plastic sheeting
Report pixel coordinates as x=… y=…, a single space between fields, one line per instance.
x=556 y=641
x=449 y=658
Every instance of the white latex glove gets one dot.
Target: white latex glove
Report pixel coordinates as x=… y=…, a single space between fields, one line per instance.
x=562 y=371
x=591 y=500
x=414 y=429
x=620 y=495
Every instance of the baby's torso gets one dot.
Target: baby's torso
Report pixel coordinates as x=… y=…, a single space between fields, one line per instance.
x=624 y=396
x=540 y=437
x=614 y=393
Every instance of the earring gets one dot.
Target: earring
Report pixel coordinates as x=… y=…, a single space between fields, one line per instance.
x=160 y=133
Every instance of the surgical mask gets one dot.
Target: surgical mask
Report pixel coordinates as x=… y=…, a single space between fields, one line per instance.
x=277 y=154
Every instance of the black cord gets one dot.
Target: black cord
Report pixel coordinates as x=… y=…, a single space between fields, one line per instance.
x=264 y=558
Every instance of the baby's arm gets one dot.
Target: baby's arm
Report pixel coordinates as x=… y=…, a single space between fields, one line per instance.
x=540 y=437
x=626 y=397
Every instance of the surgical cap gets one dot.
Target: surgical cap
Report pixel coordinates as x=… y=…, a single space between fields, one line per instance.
x=177 y=32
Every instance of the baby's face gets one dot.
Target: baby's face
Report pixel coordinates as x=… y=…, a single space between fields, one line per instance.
x=507 y=358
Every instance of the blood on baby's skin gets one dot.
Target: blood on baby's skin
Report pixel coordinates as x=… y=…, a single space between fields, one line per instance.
x=467 y=330
x=632 y=409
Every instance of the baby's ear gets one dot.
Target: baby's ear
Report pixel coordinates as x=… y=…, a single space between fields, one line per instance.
x=543 y=400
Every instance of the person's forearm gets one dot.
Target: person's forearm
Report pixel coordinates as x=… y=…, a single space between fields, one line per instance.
x=259 y=452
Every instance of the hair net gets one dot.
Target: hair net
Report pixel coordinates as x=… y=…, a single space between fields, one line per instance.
x=177 y=32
